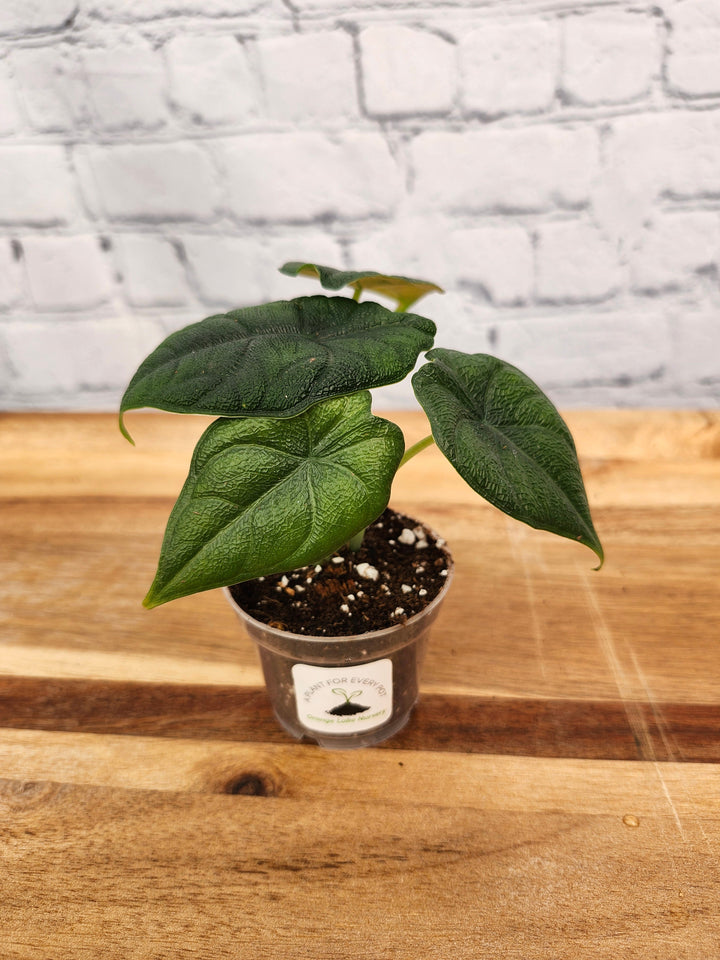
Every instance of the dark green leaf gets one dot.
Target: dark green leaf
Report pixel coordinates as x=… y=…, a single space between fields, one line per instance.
x=403 y=289
x=507 y=440
x=278 y=359
x=267 y=495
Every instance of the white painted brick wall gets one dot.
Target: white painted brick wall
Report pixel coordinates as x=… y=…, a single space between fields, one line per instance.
x=152 y=271
x=210 y=79
x=11 y=274
x=556 y=167
x=512 y=66
x=609 y=57
x=290 y=177
x=673 y=249
x=575 y=263
x=406 y=71
x=9 y=111
x=36 y=186
x=526 y=170
x=66 y=273
x=26 y=17
x=600 y=348
x=150 y=181
x=309 y=78
x=126 y=85
x=693 y=62
x=227 y=271
x=50 y=87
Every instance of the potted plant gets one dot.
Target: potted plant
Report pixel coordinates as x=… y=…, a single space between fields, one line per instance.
x=286 y=502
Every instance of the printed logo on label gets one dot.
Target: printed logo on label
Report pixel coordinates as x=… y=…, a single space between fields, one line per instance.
x=343 y=699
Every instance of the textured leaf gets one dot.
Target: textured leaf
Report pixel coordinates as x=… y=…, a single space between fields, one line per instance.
x=278 y=359
x=507 y=440
x=267 y=495
x=403 y=289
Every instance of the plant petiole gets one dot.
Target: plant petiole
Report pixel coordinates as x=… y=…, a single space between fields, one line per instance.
x=354 y=543
x=416 y=448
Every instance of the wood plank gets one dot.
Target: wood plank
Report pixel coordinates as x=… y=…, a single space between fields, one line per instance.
x=531 y=875
x=531 y=727
x=534 y=807
x=482 y=782
x=526 y=616
x=81 y=454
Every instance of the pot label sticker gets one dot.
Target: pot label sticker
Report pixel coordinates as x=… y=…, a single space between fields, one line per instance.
x=343 y=699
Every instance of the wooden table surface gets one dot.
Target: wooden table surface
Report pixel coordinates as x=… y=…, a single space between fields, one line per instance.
x=556 y=794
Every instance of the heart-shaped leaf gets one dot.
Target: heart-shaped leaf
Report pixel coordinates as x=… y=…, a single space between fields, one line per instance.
x=278 y=359
x=507 y=440
x=403 y=289
x=268 y=495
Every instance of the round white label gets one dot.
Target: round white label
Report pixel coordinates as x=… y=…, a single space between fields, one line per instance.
x=343 y=699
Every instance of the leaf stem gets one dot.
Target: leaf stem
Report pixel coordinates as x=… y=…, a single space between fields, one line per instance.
x=416 y=448
x=357 y=541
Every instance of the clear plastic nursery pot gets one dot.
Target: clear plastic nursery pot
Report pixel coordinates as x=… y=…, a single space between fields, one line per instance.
x=344 y=692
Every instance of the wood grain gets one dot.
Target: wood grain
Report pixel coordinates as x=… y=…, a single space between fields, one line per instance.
x=532 y=727
x=555 y=794
x=526 y=617
x=152 y=874
x=479 y=781
x=618 y=449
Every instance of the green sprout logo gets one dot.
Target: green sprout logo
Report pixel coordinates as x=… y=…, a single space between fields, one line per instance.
x=346 y=709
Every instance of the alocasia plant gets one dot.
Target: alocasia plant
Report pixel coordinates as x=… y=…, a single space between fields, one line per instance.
x=297 y=465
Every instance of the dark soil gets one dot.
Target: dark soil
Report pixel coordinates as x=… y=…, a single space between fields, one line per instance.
x=336 y=599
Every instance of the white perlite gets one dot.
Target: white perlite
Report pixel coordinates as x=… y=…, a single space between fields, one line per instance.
x=407 y=537
x=366 y=571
